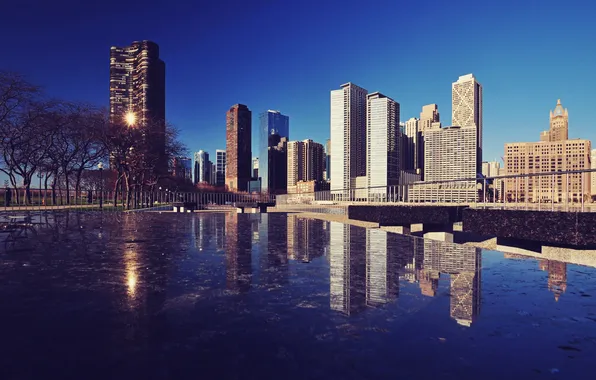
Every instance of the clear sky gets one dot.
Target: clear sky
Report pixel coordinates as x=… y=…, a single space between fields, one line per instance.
x=287 y=55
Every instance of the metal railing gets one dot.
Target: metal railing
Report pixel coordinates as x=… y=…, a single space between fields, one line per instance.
x=553 y=191
x=95 y=200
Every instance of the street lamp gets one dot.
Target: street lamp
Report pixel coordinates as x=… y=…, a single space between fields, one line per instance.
x=100 y=167
x=39 y=175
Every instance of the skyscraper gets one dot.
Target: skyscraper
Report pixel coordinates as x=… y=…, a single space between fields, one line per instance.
x=429 y=119
x=383 y=140
x=305 y=163
x=137 y=93
x=559 y=125
x=255 y=167
x=348 y=135
x=410 y=145
x=238 y=147
x=220 y=167
x=466 y=103
x=137 y=83
x=182 y=168
x=273 y=126
x=201 y=167
x=450 y=154
x=553 y=153
x=328 y=159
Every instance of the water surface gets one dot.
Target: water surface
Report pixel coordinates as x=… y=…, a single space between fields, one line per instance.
x=229 y=296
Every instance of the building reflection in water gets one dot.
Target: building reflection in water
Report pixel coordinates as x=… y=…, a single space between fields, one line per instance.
x=306 y=238
x=557 y=276
x=463 y=264
x=209 y=230
x=238 y=246
x=273 y=258
x=365 y=268
x=557 y=273
x=382 y=276
x=347 y=266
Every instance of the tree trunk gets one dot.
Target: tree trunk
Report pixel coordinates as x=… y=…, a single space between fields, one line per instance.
x=118 y=179
x=78 y=176
x=45 y=193
x=67 y=181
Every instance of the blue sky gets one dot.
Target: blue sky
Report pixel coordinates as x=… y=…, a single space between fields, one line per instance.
x=288 y=55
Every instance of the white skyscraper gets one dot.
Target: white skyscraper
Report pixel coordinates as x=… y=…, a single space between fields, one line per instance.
x=449 y=154
x=466 y=103
x=383 y=137
x=348 y=135
x=201 y=167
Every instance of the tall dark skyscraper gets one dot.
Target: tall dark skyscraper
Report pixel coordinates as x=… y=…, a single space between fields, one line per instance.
x=138 y=92
x=238 y=147
x=273 y=127
x=137 y=84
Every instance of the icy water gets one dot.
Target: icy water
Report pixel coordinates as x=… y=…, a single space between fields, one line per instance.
x=275 y=296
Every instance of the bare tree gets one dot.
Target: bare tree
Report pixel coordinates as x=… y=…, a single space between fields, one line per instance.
x=16 y=95
x=140 y=154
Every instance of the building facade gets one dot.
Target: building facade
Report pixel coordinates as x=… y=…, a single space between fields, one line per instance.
x=328 y=160
x=429 y=118
x=182 y=168
x=238 y=147
x=137 y=83
x=348 y=135
x=593 y=174
x=546 y=157
x=220 y=168
x=137 y=94
x=202 y=172
x=305 y=163
x=383 y=138
x=559 y=124
x=277 y=165
x=466 y=106
x=255 y=167
x=553 y=153
x=449 y=155
x=273 y=126
x=410 y=145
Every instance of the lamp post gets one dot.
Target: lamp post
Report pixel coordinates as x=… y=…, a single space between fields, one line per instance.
x=100 y=167
x=39 y=175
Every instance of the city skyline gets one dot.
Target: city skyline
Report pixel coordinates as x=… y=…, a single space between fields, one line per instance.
x=298 y=84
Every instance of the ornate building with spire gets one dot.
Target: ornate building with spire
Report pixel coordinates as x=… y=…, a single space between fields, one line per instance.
x=554 y=153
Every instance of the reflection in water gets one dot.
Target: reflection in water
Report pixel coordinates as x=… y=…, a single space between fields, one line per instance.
x=365 y=266
x=347 y=268
x=463 y=264
x=238 y=252
x=273 y=262
x=382 y=277
x=143 y=300
x=557 y=273
x=306 y=238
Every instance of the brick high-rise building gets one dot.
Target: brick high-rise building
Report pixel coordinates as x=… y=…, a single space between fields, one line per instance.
x=559 y=125
x=429 y=119
x=553 y=153
x=238 y=147
x=305 y=163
